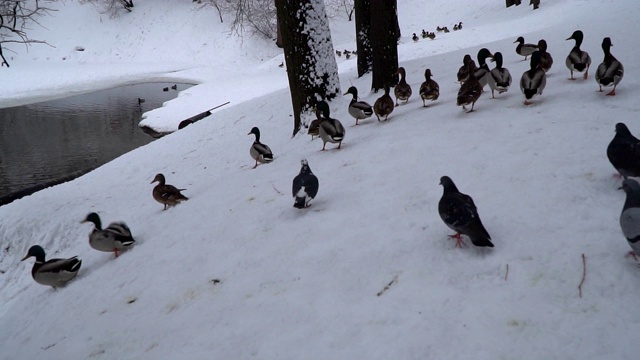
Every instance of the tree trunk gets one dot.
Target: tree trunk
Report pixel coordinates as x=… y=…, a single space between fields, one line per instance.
x=363 y=35
x=308 y=53
x=384 y=43
x=278 y=34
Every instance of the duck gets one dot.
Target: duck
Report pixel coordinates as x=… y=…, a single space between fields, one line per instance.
x=533 y=80
x=445 y=29
x=455 y=27
x=330 y=130
x=500 y=75
x=174 y=87
x=314 y=126
x=402 y=91
x=358 y=109
x=55 y=272
x=482 y=72
x=463 y=72
x=470 y=90
x=524 y=49
x=415 y=37
x=630 y=216
x=424 y=34
x=165 y=194
x=339 y=53
x=384 y=105
x=431 y=35
x=546 y=61
x=460 y=25
x=115 y=237
x=429 y=89
x=305 y=186
x=610 y=71
x=260 y=152
x=578 y=60
x=439 y=29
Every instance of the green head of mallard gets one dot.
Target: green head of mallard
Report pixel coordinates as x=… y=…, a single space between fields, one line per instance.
x=95 y=219
x=323 y=107
x=36 y=251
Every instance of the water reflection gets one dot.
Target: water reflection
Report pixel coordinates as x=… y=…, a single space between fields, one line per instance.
x=40 y=144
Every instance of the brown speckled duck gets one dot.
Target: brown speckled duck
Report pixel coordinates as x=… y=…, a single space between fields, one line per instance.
x=402 y=91
x=429 y=89
x=384 y=105
x=463 y=72
x=165 y=194
x=470 y=90
x=546 y=61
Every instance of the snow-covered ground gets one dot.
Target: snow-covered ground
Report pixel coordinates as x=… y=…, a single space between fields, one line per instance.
x=236 y=272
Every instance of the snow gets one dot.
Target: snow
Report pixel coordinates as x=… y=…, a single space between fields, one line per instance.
x=236 y=272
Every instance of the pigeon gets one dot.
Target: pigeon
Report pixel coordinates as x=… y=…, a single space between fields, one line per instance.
x=624 y=152
x=305 y=186
x=459 y=213
x=630 y=216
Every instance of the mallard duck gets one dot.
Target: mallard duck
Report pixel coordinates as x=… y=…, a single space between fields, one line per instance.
x=358 y=109
x=460 y=25
x=470 y=90
x=330 y=130
x=524 y=49
x=501 y=76
x=314 y=126
x=55 y=272
x=305 y=186
x=174 y=87
x=610 y=71
x=445 y=29
x=415 y=37
x=533 y=80
x=425 y=34
x=546 y=61
x=463 y=72
x=439 y=29
x=115 y=237
x=167 y=195
x=455 y=27
x=339 y=53
x=429 y=89
x=431 y=35
x=402 y=91
x=578 y=60
x=260 y=152
x=384 y=105
x=482 y=72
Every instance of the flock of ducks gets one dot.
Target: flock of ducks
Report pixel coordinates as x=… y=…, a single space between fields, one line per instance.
x=432 y=35
x=456 y=209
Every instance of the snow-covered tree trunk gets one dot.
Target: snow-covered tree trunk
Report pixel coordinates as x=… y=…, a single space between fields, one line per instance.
x=363 y=36
x=384 y=43
x=308 y=53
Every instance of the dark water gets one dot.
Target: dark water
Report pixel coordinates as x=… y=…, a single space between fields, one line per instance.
x=47 y=143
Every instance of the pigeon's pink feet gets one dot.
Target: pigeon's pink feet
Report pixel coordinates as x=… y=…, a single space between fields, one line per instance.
x=633 y=255
x=459 y=242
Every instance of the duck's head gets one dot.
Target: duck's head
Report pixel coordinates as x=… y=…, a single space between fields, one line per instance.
x=93 y=218
x=519 y=40
x=255 y=131
x=535 y=60
x=467 y=58
x=323 y=108
x=427 y=74
x=497 y=58
x=353 y=91
x=402 y=72
x=577 y=36
x=542 y=45
x=606 y=44
x=483 y=55
x=36 y=251
x=159 y=178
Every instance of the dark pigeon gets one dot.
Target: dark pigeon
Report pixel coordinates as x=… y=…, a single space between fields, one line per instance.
x=305 y=186
x=624 y=152
x=630 y=216
x=459 y=213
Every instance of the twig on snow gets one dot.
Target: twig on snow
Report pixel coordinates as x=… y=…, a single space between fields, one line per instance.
x=506 y=274
x=278 y=191
x=584 y=274
x=393 y=281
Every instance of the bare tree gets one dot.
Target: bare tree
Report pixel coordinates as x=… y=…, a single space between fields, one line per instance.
x=384 y=43
x=15 y=17
x=336 y=6
x=111 y=7
x=259 y=16
x=308 y=53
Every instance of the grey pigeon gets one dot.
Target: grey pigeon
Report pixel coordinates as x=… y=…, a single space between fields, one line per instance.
x=630 y=216
x=305 y=186
x=624 y=152
x=459 y=213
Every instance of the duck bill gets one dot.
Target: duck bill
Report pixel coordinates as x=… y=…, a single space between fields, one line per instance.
x=26 y=257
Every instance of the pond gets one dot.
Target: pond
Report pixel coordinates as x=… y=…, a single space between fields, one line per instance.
x=51 y=142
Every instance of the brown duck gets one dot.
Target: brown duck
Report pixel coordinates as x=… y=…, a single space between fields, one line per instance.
x=402 y=91
x=470 y=90
x=384 y=105
x=165 y=194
